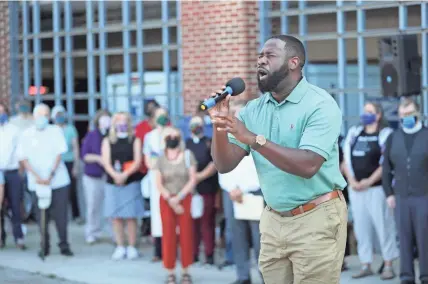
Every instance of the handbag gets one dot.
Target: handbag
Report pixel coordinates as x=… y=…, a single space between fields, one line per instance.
x=197 y=206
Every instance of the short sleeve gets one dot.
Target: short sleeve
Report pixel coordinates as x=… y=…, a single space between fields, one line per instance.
x=242 y=117
x=146 y=144
x=21 y=152
x=322 y=129
x=59 y=138
x=157 y=165
x=192 y=158
x=85 y=149
x=73 y=132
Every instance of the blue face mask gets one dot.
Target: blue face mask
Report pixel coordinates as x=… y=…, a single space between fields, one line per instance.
x=24 y=109
x=3 y=118
x=368 y=118
x=60 y=119
x=408 y=121
x=41 y=122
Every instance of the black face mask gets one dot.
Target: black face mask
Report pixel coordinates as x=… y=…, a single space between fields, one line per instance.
x=172 y=143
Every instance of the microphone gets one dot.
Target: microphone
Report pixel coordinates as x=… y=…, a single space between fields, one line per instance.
x=234 y=87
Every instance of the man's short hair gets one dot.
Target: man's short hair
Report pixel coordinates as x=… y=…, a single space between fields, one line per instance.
x=293 y=46
x=41 y=106
x=405 y=102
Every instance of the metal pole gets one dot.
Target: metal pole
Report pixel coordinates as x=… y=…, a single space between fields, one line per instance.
x=303 y=28
x=284 y=18
x=165 y=51
x=265 y=27
x=126 y=56
x=56 y=6
x=424 y=52
x=68 y=17
x=179 y=61
x=102 y=47
x=362 y=57
x=90 y=58
x=25 y=48
x=14 y=49
x=341 y=61
x=37 y=50
x=140 y=54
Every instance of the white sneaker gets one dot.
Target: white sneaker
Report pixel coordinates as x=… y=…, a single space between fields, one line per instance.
x=90 y=240
x=132 y=253
x=119 y=253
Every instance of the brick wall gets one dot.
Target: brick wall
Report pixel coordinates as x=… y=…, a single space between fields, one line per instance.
x=4 y=53
x=220 y=41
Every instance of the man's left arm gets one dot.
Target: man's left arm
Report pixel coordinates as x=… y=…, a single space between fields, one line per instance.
x=319 y=136
x=61 y=148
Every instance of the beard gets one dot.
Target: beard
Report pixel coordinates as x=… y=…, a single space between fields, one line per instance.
x=273 y=79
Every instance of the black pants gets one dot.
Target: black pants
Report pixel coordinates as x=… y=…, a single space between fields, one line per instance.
x=59 y=213
x=158 y=247
x=412 y=224
x=74 y=201
x=13 y=193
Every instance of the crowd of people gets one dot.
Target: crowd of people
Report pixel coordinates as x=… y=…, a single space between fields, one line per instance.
x=128 y=171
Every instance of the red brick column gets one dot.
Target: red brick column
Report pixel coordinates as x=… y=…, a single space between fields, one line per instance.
x=220 y=41
x=4 y=53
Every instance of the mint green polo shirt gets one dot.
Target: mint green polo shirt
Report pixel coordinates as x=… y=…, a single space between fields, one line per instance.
x=309 y=119
x=70 y=133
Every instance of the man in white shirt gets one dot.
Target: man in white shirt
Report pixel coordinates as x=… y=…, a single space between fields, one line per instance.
x=242 y=180
x=9 y=135
x=40 y=150
x=24 y=118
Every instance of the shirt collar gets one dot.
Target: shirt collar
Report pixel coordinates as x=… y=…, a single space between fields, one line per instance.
x=295 y=96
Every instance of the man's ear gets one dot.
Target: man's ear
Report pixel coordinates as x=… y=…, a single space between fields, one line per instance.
x=294 y=63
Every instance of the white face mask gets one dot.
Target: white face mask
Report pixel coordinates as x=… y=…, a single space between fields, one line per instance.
x=196 y=139
x=413 y=130
x=122 y=135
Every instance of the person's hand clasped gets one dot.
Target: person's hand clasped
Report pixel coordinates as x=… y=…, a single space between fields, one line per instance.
x=364 y=184
x=42 y=181
x=391 y=201
x=236 y=195
x=174 y=202
x=120 y=178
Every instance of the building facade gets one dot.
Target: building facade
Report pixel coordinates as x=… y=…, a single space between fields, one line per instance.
x=88 y=55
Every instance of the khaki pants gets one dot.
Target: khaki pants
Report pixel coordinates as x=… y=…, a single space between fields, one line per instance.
x=304 y=249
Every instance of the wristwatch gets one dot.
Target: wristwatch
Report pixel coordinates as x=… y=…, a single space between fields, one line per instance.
x=260 y=142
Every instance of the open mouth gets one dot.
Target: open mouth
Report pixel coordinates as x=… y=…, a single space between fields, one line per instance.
x=262 y=73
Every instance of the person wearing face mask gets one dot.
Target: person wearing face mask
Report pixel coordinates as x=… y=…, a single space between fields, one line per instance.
x=207 y=187
x=11 y=184
x=175 y=174
x=94 y=176
x=141 y=130
x=405 y=179
x=71 y=158
x=152 y=151
x=124 y=204
x=40 y=150
x=363 y=149
x=24 y=119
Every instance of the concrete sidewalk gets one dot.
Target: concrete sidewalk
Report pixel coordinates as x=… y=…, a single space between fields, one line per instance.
x=92 y=264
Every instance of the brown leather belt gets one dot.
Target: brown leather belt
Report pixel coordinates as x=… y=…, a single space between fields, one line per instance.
x=310 y=205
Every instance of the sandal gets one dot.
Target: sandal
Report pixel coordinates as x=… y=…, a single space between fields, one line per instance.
x=186 y=279
x=171 y=279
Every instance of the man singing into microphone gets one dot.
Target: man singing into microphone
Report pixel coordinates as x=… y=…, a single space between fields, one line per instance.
x=291 y=132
